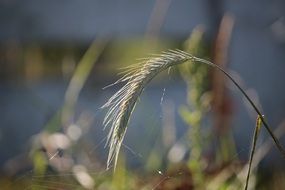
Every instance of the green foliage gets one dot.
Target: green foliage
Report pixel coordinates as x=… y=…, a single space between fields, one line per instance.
x=196 y=78
x=40 y=163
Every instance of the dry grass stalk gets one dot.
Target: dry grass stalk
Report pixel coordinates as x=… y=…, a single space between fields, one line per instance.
x=122 y=103
x=255 y=136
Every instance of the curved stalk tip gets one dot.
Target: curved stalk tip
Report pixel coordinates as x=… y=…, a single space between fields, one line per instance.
x=123 y=102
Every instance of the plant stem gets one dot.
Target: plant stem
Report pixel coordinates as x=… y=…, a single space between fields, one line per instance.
x=255 y=136
x=276 y=141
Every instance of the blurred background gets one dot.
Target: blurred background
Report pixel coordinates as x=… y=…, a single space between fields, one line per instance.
x=191 y=128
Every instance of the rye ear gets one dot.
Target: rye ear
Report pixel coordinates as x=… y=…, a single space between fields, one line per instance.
x=122 y=103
